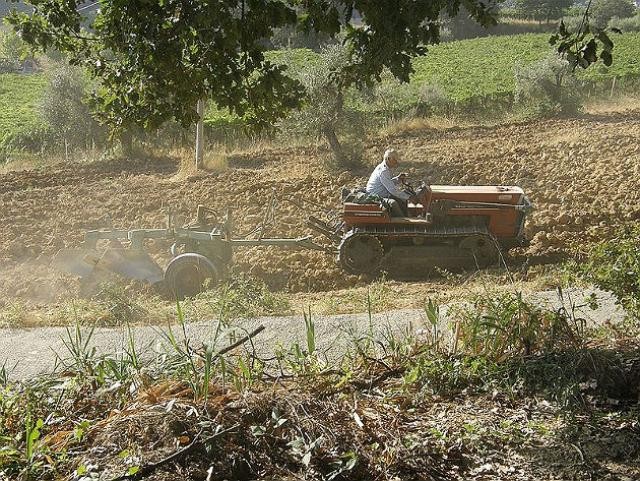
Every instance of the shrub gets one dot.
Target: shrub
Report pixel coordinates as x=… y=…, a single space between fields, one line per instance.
x=65 y=111
x=547 y=87
x=13 y=51
x=614 y=266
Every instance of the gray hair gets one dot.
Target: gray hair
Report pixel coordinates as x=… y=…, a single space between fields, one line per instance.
x=391 y=154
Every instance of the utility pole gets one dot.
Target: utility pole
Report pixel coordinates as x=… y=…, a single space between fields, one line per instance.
x=199 y=133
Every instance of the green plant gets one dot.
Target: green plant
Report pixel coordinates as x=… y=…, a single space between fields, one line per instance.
x=500 y=326
x=240 y=297
x=120 y=304
x=82 y=356
x=547 y=87
x=614 y=266
x=302 y=360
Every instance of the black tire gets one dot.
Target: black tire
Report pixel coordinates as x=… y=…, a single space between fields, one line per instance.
x=361 y=254
x=189 y=274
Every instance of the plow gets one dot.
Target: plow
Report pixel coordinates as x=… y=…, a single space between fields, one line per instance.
x=446 y=227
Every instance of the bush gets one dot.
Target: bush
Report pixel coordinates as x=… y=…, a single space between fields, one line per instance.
x=547 y=87
x=13 y=51
x=614 y=266
x=604 y=10
x=65 y=111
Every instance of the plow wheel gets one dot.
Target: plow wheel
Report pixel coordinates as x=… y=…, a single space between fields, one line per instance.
x=484 y=249
x=361 y=254
x=189 y=274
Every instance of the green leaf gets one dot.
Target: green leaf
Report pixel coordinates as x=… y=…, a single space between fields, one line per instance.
x=133 y=470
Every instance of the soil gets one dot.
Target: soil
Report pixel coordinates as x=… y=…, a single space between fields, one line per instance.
x=580 y=173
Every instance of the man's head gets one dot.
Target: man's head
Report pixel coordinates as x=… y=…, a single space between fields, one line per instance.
x=391 y=158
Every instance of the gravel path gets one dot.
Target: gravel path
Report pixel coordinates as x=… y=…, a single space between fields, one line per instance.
x=28 y=352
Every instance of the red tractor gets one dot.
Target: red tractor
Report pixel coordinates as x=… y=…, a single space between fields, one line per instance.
x=445 y=227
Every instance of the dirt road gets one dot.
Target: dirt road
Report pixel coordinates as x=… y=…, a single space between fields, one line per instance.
x=28 y=352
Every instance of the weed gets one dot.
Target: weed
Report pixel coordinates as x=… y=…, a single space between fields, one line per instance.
x=503 y=325
x=614 y=266
x=82 y=358
x=14 y=314
x=119 y=303
x=241 y=297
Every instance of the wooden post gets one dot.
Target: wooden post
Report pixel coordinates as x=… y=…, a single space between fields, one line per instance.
x=199 y=133
x=613 y=86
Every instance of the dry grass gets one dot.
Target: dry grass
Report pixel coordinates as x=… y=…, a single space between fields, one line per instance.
x=622 y=104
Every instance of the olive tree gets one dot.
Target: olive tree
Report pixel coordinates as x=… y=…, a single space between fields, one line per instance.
x=323 y=112
x=65 y=110
x=542 y=9
x=605 y=10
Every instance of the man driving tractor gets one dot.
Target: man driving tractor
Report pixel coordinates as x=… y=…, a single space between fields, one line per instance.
x=383 y=184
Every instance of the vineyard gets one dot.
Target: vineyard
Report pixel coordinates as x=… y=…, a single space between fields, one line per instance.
x=476 y=74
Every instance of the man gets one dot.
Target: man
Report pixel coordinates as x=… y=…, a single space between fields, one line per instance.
x=382 y=184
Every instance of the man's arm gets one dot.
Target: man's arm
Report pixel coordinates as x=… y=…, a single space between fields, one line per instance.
x=389 y=184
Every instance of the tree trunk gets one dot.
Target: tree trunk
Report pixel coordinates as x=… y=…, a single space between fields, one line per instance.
x=336 y=149
x=126 y=141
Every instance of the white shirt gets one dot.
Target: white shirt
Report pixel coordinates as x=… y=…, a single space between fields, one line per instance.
x=382 y=184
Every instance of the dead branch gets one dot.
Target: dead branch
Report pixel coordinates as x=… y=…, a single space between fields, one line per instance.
x=145 y=471
x=239 y=342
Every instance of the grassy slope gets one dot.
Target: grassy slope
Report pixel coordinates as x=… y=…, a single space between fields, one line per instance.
x=19 y=99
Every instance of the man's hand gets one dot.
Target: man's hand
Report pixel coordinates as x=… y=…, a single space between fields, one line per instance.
x=403 y=178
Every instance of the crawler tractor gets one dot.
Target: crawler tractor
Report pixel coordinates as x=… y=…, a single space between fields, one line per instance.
x=445 y=227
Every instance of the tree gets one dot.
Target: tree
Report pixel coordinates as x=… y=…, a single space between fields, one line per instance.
x=154 y=60
x=605 y=10
x=323 y=112
x=13 y=51
x=548 y=86
x=542 y=9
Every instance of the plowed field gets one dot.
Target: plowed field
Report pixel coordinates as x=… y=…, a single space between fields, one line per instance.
x=581 y=174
